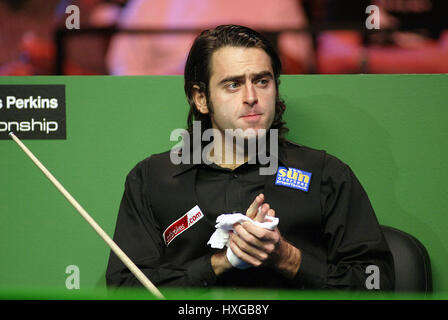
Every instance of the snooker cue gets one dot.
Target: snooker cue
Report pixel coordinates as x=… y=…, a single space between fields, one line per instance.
x=115 y=248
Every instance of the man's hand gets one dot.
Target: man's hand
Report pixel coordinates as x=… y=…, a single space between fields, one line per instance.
x=253 y=211
x=259 y=246
x=219 y=260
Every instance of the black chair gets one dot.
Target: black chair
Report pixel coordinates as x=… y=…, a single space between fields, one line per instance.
x=411 y=259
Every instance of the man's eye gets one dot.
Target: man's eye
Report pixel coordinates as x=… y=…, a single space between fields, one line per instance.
x=263 y=82
x=233 y=85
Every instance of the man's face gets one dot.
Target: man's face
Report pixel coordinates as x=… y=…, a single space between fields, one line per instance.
x=242 y=89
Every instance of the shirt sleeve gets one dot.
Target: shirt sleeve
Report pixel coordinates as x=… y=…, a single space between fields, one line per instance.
x=138 y=234
x=351 y=232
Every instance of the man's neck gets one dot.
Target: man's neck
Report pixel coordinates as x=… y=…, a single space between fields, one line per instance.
x=234 y=157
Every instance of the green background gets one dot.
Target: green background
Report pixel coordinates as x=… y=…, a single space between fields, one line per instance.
x=391 y=129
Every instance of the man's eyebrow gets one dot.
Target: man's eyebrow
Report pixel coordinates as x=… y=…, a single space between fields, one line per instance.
x=254 y=76
x=263 y=74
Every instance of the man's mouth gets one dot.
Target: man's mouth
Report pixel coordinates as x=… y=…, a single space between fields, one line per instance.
x=252 y=117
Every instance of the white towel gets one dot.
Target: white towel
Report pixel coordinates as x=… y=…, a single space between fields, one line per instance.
x=224 y=223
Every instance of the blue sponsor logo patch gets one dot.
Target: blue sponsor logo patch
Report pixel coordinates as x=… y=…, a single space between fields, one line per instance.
x=293 y=178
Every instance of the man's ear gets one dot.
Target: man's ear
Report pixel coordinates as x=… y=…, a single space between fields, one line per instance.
x=200 y=99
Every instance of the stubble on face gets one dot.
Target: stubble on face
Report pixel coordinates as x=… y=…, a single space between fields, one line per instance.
x=241 y=99
x=242 y=90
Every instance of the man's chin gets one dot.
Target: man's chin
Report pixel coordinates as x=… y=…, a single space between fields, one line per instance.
x=250 y=133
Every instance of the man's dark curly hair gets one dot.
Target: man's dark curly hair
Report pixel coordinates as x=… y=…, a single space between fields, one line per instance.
x=198 y=69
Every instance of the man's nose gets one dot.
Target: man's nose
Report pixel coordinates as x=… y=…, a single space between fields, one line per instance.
x=250 y=95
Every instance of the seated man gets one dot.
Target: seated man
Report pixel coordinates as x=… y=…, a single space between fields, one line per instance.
x=327 y=235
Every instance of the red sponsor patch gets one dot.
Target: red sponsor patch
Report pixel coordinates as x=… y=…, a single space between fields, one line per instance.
x=182 y=224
